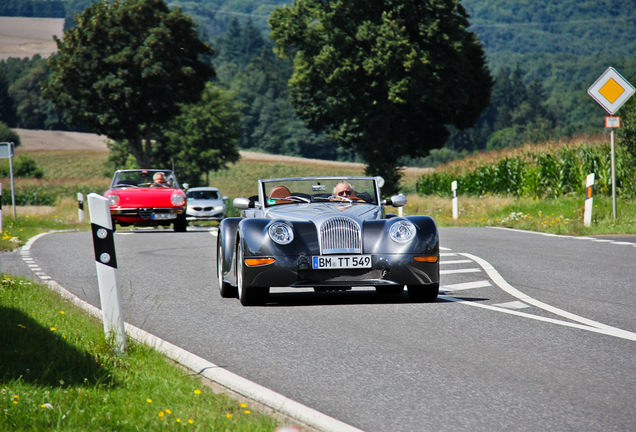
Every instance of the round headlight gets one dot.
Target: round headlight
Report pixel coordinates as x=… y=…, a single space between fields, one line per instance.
x=402 y=231
x=177 y=199
x=281 y=233
x=113 y=200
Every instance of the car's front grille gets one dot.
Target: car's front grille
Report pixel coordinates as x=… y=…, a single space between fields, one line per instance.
x=340 y=235
x=145 y=213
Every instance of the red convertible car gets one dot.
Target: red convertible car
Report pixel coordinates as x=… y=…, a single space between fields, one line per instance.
x=147 y=197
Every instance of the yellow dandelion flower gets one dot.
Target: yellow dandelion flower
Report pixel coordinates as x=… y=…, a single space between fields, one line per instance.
x=62 y=312
x=149 y=400
x=197 y=392
x=161 y=414
x=228 y=415
x=15 y=402
x=248 y=412
x=16 y=397
x=168 y=411
x=190 y=421
x=243 y=405
x=53 y=328
x=178 y=420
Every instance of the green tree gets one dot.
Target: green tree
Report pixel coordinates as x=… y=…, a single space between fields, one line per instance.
x=383 y=77
x=626 y=134
x=210 y=129
x=7 y=108
x=125 y=69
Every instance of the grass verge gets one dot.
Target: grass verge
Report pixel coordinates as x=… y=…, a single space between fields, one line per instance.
x=58 y=373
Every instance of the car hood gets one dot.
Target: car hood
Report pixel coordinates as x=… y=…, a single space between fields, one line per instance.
x=144 y=197
x=319 y=212
x=204 y=202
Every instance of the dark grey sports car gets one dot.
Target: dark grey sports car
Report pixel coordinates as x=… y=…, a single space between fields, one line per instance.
x=329 y=233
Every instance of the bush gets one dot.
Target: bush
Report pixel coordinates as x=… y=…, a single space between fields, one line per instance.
x=23 y=166
x=7 y=135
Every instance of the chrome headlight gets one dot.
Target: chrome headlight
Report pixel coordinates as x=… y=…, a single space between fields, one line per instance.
x=177 y=199
x=402 y=231
x=113 y=200
x=281 y=233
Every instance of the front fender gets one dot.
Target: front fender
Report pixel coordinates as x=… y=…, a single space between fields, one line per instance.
x=257 y=242
x=227 y=237
x=378 y=241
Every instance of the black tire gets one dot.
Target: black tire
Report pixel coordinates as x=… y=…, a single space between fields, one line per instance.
x=389 y=289
x=180 y=225
x=225 y=289
x=423 y=293
x=248 y=295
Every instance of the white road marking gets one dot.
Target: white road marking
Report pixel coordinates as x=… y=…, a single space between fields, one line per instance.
x=466 y=286
x=587 y=324
x=513 y=305
x=456 y=262
x=593 y=239
x=470 y=270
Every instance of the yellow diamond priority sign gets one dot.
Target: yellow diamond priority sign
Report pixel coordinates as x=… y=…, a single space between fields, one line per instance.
x=611 y=90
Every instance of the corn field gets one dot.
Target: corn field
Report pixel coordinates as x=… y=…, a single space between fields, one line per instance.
x=540 y=175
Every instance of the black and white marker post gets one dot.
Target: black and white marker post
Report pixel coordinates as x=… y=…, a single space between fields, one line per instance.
x=107 y=277
x=589 y=200
x=80 y=206
x=454 y=201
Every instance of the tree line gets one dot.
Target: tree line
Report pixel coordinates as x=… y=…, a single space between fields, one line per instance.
x=524 y=104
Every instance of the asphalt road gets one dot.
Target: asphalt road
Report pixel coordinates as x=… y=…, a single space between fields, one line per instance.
x=531 y=332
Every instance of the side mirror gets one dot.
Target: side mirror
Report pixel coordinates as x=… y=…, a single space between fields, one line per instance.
x=225 y=198
x=186 y=186
x=242 y=203
x=395 y=201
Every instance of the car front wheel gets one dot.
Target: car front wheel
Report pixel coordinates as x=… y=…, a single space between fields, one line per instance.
x=180 y=225
x=248 y=295
x=226 y=290
x=423 y=293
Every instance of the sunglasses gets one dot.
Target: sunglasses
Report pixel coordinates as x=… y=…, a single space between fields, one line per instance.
x=345 y=192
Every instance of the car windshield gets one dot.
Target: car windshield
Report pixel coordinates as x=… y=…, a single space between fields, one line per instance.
x=203 y=194
x=142 y=178
x=290 y=191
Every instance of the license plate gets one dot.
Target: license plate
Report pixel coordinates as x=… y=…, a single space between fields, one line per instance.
x=341 y=262
x=162 y=216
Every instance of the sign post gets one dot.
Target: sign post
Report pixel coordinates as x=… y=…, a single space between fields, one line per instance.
x=611 y=91
x=6 y=151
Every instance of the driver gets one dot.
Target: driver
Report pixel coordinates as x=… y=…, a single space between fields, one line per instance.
x=159 y=180
x=343 y=189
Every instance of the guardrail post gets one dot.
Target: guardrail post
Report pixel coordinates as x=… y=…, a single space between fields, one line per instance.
x=0 y=208
x=106 y=263
x=80 y=206
x=589 y=193
x=454 y=190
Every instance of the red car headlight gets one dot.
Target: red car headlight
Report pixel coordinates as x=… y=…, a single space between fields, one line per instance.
x=113 y=200
x=178 y=198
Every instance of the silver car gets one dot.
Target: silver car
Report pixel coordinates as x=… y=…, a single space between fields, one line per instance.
x=329 y=233
x=205 y=203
